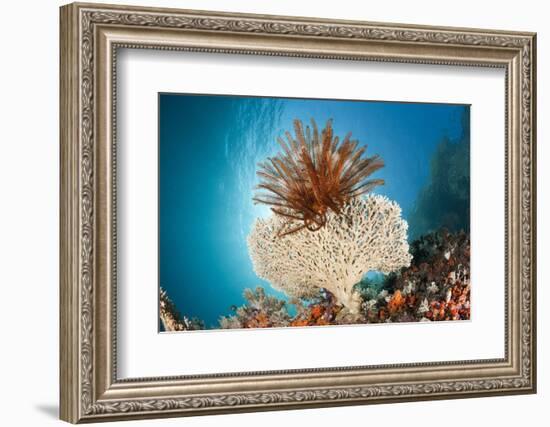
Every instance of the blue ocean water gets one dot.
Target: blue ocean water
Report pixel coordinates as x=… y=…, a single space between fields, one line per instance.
x=209 y=147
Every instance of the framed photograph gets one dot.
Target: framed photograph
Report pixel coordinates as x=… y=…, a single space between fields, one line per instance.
x=266 y=212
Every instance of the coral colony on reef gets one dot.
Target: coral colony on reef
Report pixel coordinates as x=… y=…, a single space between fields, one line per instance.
x=367 y=235
x=326 y=231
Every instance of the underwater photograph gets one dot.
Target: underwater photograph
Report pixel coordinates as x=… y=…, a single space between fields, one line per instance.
x=293 y=212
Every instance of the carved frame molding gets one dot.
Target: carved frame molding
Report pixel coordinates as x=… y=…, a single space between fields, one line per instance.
x=90 y=37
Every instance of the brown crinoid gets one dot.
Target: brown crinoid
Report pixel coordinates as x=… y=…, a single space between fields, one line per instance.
x=314 y=174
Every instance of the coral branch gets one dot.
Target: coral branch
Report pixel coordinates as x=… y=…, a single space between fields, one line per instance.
x=368 y=235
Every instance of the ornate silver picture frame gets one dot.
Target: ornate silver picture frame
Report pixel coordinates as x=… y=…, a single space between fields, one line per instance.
x=91 y=37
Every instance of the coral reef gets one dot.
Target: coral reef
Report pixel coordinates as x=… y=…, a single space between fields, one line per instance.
x=435 y=287
x=326 y=234
x=368 y=235
x=171 y=319
x=261 y=311
x=314 y=175
x=322 y=310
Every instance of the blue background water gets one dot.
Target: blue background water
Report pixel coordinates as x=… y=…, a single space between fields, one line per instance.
x=209 y=147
